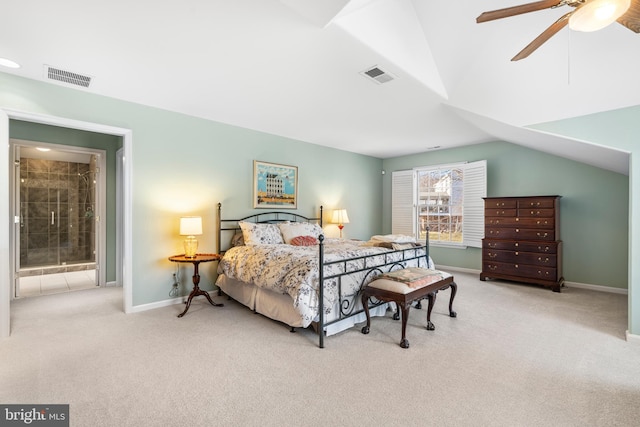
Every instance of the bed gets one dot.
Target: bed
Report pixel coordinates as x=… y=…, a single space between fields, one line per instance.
x=280 y=265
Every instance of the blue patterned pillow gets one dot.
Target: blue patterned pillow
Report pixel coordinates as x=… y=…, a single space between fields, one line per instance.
x=260 y=234
x=291 y=230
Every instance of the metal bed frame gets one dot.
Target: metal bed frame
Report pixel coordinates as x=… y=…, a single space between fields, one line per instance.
x=374 y=264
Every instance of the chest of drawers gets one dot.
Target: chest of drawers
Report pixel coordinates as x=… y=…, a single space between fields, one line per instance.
x=522 y=240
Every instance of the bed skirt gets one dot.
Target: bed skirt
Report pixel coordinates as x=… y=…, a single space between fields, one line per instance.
x=280 y=306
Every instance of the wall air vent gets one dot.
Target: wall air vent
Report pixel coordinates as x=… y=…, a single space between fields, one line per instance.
x=69 y=77
x=378 y=75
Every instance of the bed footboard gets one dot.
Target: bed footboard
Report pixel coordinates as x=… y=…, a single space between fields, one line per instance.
x=366 y=268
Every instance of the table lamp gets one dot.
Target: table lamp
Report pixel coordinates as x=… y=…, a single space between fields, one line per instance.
x=340 y=217
x=190 y=226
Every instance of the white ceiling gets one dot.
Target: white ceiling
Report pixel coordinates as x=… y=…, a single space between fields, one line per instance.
x=292 y=68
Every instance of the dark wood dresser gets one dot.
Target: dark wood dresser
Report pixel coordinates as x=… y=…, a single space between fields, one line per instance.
x=522 y=240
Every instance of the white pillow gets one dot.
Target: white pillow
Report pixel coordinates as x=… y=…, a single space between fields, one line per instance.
x=291 y=230
x=260 y=234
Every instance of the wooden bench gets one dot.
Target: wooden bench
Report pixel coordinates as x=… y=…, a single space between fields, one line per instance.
x=403 y=295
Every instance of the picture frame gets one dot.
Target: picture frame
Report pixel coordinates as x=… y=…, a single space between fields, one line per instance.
x=274 y=185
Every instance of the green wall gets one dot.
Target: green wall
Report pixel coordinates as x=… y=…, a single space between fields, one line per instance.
x=615 y=128
x=619 y=129
x=184 y=165
x=593 y=213
x=77 y=138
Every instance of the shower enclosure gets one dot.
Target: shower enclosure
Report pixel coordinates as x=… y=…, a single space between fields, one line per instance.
x=57 y=208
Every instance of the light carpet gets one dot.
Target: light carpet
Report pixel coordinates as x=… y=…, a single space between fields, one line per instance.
x=516 y=355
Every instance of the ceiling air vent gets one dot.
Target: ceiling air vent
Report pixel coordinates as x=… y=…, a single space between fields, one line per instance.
x=68 y=77
x=378 y=75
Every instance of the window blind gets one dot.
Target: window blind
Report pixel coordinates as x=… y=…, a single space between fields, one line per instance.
x=404 y=203
x=403 y=212
x=475 y=188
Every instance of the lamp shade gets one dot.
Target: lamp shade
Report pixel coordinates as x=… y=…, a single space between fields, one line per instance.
x=190 y=226
x=597 y=14
x=340 y=216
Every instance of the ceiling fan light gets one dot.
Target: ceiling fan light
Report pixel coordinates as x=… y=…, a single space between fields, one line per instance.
x=597 y=14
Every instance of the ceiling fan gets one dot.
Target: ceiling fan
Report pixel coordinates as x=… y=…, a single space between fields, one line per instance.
x=588 y=15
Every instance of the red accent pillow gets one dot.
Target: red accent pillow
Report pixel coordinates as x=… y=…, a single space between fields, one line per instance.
x=304 y=241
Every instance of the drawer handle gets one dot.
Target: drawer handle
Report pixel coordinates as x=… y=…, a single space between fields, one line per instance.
x=544 y=260
x=542 y=234
x=492 y=255
x=492 y=267
x=517 y=253
x=535 y=204
x=517 y=230
x=516 y=244
x=545 y=248
x=516 y=265
x=546 y=273
x=491 y=245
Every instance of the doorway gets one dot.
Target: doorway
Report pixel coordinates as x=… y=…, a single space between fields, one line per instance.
x=58 y=200
x=125 y=208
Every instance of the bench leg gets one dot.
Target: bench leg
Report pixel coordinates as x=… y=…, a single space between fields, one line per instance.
x=365 y=305
x=404 y=342
x=396 y=314
x=432 y=302
x=454 y=290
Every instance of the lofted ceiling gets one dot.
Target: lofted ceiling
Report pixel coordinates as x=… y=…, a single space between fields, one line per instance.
x=294 y=68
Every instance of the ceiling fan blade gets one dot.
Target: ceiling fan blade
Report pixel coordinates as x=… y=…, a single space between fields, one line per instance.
x=517 y=10
x=631 y=18
x=546 y=35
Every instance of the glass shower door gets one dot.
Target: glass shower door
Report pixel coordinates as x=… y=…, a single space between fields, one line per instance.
x=57 y=224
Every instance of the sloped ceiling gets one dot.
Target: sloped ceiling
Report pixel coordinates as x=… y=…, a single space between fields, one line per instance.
x=293 y=68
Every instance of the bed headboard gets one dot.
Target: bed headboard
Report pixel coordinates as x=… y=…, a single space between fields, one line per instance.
x=228 y=227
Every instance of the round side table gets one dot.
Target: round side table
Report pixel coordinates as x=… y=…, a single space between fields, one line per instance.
x=196 y=276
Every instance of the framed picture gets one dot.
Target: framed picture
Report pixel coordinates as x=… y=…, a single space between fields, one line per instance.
x=274 y=185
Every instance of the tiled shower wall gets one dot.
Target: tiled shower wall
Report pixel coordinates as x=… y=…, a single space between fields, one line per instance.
x=68 y=190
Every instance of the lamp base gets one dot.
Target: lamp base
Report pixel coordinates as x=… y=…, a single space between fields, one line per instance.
x=190 y=247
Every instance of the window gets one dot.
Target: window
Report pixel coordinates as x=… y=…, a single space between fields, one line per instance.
x=445 y=198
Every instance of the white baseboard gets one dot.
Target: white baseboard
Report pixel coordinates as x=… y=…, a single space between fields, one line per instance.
x=599 y=288
x=159 y=304
x=179 y=300
x=460 y=269
x=634 y=339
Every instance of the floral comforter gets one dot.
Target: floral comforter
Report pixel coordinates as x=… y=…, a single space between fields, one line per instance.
x=293 y=270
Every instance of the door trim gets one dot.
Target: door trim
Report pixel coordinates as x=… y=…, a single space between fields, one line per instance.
x=100 y=203
x=127 y=214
